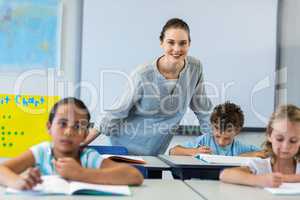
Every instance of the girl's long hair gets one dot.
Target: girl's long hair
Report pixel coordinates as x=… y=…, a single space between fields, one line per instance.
x=288 y=112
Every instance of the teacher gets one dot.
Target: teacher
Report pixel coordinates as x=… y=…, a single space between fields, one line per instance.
x=158 y=96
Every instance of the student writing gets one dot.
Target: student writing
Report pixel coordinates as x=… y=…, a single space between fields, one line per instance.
x=227 y=121
x=68 y=125
x=283 y=146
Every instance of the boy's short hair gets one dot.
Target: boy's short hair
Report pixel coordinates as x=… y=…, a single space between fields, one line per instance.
x=77 y=102
x=227 y=115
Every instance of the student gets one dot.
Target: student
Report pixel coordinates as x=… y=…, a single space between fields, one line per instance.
x=158 y=97
x=68 y=126
x=283 y=146
x=227 y=121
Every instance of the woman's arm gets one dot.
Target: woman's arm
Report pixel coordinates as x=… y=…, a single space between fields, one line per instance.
x=110 y=172
x=200 y=103
x=120 y=111
x=92 y=135
x=243 y=176
x=10 y=170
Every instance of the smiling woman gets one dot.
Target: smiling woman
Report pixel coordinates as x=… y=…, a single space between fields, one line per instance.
x=158 y=96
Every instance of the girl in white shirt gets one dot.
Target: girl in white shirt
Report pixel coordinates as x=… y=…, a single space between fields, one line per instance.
x=283 y=147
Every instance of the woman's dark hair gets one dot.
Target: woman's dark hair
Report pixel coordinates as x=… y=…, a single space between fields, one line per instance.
x=175 y=23
x=69 y=100
x=227 y=115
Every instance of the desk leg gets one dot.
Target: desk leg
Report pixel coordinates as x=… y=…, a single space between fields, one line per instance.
x=154 y=174
x=188 y=173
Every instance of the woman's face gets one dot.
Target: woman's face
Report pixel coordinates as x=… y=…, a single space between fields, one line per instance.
x=285 y=138
x=175 y=45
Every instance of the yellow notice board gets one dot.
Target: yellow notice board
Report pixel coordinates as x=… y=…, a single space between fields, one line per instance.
x=23 y=121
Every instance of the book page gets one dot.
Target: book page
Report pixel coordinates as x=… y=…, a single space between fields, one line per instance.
x=54 y=184
x=97 y=189
x=227 y=160
x=285 y=189
x=50 y=185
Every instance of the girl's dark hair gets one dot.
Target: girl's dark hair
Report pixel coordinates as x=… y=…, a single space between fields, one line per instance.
x=69 y=100
x=227 y=115
x=175 y=23
x=285 y=112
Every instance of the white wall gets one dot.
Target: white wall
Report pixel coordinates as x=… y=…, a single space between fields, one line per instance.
x=237 y=49
x=289 y=44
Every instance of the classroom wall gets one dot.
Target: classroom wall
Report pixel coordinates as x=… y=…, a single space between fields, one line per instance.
x=289 y=46
x=252 y=49
x=288 y=41
x=289 y=37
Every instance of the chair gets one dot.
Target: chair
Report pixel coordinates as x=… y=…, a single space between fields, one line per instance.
x=118 y=150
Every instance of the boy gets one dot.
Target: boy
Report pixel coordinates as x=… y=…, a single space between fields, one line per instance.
x=227 y=121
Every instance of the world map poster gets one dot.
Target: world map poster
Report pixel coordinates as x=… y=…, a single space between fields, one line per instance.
x=30 y=34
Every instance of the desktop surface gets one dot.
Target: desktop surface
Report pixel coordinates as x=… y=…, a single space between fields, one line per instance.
x=151 y=189
x=209 y=189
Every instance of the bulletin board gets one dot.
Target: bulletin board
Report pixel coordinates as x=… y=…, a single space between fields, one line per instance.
x=23 y=121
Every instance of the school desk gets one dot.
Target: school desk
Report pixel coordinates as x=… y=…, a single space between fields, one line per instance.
x=209 y=189
x=187 y=167
x=150 y=190
x=155 y=167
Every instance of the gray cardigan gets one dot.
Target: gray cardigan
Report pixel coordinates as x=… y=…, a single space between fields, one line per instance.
x=143 y=119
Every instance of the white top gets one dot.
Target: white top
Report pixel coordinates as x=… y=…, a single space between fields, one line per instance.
x=263 y=166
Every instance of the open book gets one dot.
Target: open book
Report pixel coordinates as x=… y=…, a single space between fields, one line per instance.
x=123 y=158
x=225 y=160
x=286 y=189
x=57 y=185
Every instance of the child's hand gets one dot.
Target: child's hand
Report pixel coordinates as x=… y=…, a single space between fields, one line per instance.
x=272 y=180
x=68 y=168
x=204 y=149
x=29 y=180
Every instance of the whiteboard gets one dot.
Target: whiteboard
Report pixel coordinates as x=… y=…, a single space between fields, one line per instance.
x=234 y=39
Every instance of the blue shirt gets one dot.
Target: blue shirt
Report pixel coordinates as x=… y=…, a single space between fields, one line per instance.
x=43 y=156
x=144 y=118
x=234 y=149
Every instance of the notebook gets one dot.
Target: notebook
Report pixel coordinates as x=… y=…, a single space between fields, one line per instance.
x=225 y=160
x=286 y=189
x=54 y=185
x=128 y=159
